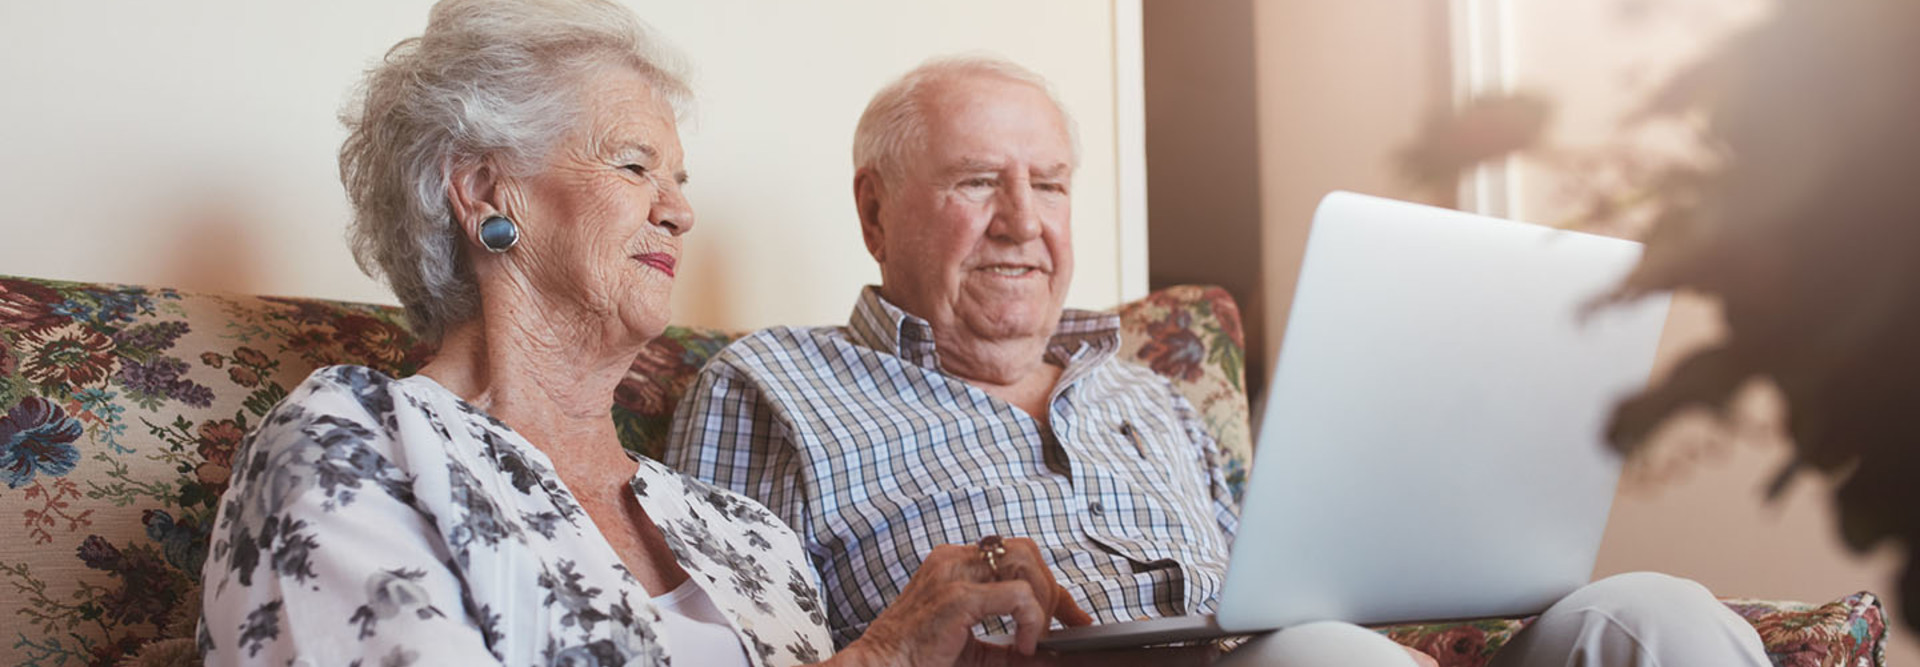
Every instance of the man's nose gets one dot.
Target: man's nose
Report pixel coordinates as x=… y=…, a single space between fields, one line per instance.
x=1015 y=219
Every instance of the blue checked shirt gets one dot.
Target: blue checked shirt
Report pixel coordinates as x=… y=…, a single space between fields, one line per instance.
x=874 y=455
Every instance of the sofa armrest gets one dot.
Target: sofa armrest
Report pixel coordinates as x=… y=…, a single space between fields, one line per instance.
x=1848 y=632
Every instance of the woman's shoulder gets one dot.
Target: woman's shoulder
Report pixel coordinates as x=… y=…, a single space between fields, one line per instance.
x=360 y=394
x=341 y=419
x=343 y=390
x=324 y=448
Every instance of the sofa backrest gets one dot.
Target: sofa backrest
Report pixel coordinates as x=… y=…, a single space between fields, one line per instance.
x=121 y=406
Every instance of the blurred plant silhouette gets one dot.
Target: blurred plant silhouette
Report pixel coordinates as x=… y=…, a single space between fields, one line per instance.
x=1803 y=221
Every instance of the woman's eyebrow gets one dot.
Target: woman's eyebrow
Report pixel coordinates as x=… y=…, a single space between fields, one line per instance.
x=644 y=149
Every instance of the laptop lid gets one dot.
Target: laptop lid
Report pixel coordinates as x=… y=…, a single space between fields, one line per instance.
x=1431 y=444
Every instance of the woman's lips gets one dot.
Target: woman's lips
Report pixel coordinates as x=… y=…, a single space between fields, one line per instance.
x=659 y=260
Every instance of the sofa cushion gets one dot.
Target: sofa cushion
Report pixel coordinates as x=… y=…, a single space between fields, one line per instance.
x=120 y=408
x=1191 y=335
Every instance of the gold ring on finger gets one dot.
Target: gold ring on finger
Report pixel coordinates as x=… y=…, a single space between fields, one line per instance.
x=992 y=548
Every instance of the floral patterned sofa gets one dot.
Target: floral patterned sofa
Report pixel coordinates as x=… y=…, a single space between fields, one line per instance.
x=120 y=408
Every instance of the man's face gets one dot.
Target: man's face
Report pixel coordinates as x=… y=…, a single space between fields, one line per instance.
x=972 y=232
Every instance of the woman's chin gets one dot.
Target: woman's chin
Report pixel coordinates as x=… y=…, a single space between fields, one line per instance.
x=642 y=327
x=641 y=333
x=647 y=313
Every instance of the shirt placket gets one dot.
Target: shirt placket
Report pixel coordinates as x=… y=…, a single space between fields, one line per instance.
x=1098 y=492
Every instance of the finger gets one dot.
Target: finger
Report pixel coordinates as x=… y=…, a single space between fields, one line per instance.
x=932 y=564
x=1026 y=564
x=1422 y=659
x=1023 y=562
x=1051 y=598
x=948 y=556
x=955 y=562
x=963 y=562
x=1012 y=598
x=1067 y=610
x=1012 y=569
x=984 y=572
x=1023 y=550
x=1030 y=622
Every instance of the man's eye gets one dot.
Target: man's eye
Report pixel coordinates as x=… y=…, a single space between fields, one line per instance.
x=636 y=169
x=977 y=183
x=1057 y=188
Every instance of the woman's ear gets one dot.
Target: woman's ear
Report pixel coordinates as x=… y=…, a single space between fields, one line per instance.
x=866 y=199
x=473 y=195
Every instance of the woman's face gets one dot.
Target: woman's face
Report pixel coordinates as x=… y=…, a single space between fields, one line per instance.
x=601 y=220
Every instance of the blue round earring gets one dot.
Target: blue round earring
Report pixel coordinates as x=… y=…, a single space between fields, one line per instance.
x=498 y=233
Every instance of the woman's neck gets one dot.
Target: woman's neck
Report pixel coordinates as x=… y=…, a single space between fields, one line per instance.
x=551 y=382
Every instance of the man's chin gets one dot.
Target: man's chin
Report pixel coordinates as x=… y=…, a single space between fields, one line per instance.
x=1014 y=324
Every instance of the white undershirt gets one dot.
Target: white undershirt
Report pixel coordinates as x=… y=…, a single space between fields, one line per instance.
x=696 y=632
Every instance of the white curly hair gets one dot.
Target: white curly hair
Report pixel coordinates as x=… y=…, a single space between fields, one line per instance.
x=498 y=81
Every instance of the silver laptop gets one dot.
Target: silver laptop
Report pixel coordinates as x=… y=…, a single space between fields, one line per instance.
x=1430 y=447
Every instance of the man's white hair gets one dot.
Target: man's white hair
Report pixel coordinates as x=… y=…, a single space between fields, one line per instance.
x=894 y=124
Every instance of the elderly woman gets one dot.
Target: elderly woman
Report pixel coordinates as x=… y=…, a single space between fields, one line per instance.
x=516 y=177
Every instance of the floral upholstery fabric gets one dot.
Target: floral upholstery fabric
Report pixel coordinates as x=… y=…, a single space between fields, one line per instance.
x=1848 y=632
x=120 y=408
x=1191 y=334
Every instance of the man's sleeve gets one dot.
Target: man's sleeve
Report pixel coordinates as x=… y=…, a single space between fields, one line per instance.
x=1212 y=465
x=728 y=433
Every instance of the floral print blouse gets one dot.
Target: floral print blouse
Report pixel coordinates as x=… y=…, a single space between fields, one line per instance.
x=381 y=521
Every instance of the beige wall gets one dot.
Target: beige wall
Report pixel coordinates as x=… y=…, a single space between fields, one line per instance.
x=1204 y=202
x=191 y=143
x=1342 y=85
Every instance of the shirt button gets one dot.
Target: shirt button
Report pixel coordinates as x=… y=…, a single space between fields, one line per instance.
x=1095 y=508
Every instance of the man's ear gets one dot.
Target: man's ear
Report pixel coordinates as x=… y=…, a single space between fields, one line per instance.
x=866 y=198
x=473 y=194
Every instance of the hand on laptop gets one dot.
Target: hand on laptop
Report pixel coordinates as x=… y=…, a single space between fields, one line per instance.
x=931 y=622
x=1023 y=562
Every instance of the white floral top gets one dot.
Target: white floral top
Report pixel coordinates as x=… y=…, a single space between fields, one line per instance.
x=382 y=521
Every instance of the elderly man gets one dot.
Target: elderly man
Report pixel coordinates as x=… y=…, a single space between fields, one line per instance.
x=961 y=400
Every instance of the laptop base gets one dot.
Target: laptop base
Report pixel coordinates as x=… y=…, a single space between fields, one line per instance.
x=1134 y=634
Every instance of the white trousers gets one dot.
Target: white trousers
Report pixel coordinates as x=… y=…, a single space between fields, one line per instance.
x=1641 y=619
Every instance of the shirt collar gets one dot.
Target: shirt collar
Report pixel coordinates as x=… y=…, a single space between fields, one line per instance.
x=1082 y=337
